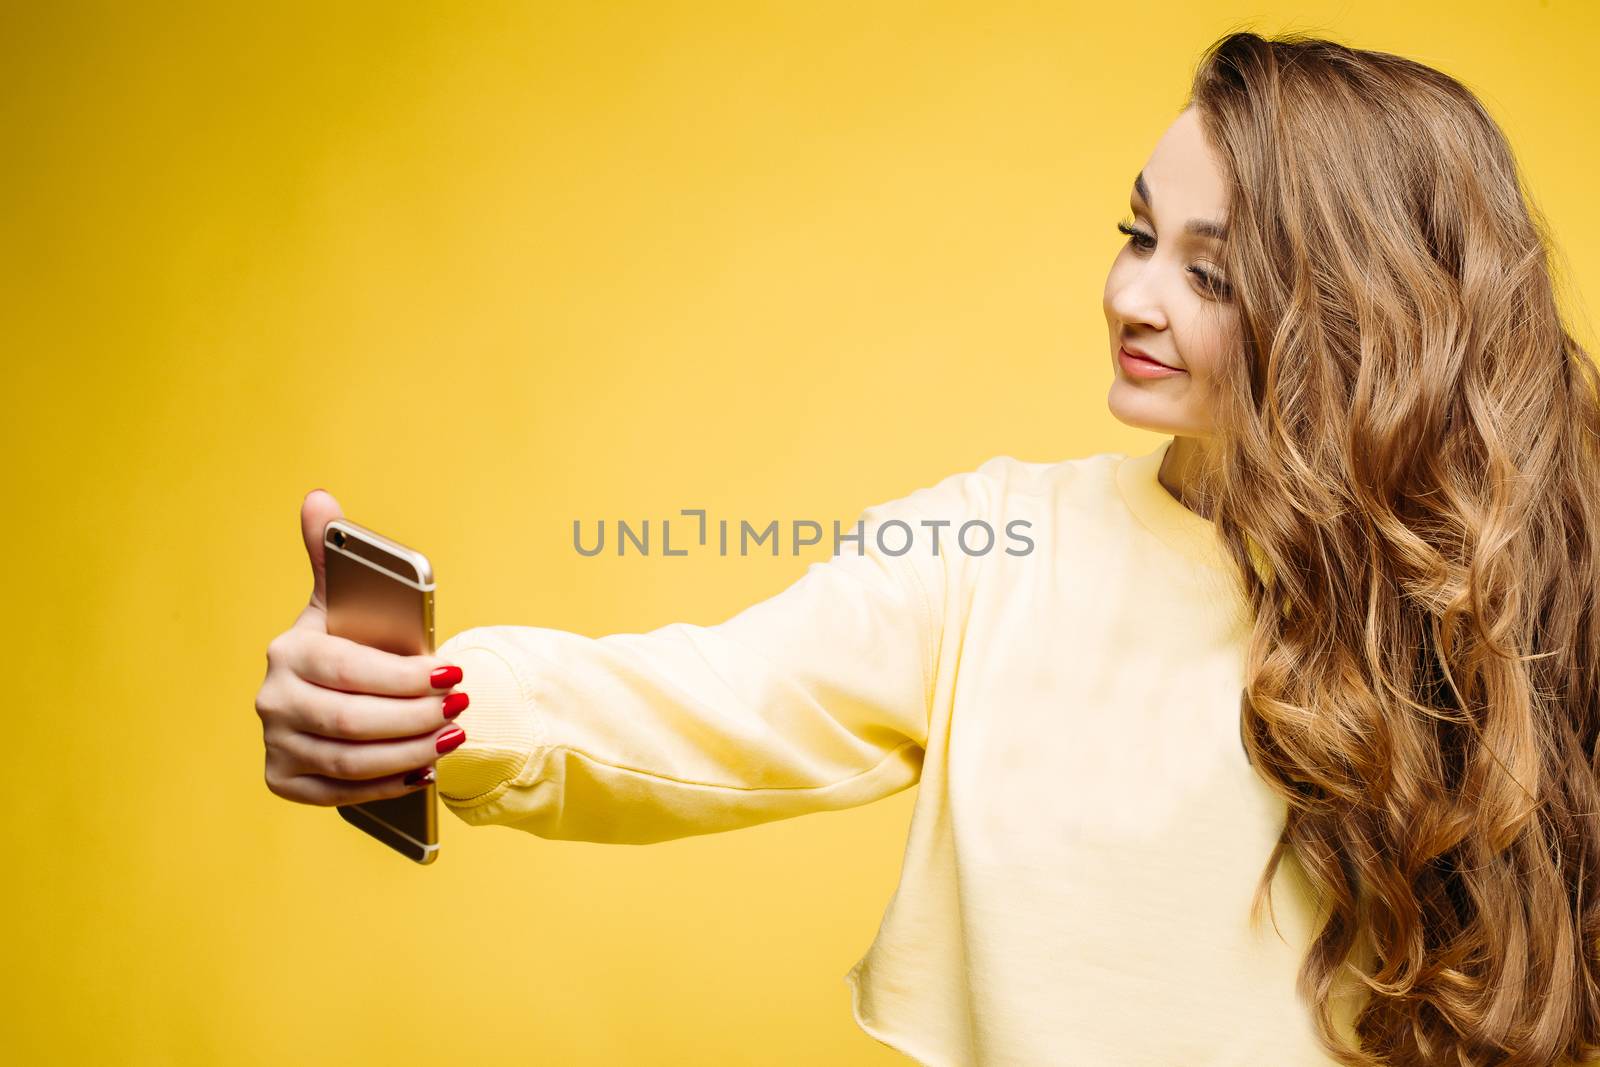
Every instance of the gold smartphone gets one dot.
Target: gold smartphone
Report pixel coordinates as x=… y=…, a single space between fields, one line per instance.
x=380 y=593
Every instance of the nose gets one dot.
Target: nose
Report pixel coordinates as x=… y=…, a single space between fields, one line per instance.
x=1133 y=298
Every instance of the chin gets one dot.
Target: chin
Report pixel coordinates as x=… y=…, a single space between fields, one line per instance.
x=1140 y=413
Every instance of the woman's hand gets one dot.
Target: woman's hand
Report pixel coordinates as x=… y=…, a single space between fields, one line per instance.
x=344 y=722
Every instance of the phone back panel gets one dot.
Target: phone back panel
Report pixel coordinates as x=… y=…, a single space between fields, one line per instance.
x=380 y=593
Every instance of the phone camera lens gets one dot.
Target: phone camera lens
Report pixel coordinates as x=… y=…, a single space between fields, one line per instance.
x=338 y=538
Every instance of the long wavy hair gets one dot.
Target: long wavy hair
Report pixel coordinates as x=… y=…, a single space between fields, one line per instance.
x=1406 y=472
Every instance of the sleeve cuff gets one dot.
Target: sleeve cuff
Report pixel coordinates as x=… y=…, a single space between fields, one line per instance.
x=503 y=732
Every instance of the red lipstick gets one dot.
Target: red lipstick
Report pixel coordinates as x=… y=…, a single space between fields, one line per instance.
x=1139 y=365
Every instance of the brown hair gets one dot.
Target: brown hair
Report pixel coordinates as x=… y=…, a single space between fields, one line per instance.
x=1405 y=472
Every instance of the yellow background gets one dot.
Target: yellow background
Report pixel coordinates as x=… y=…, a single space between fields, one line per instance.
x=480 y=270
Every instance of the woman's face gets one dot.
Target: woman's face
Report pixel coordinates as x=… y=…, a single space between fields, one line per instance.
x=1166 y=295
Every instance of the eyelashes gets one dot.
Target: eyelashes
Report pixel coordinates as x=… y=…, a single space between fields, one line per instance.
x=1135 y=235
x=1146 y=242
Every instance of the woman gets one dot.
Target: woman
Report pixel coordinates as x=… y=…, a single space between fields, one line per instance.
x=1344 y=617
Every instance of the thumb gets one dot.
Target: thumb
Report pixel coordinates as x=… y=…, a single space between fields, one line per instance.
x=318 y=508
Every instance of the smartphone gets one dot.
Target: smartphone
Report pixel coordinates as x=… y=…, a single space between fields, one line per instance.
x=380 y=593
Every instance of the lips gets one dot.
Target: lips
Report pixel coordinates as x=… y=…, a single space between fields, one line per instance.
x=1145 y=355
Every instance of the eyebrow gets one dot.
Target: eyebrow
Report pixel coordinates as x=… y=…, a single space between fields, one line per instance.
x=1199 y=227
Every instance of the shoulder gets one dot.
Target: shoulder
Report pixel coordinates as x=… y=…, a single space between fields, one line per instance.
x=1006 y=484
x=1075 y=476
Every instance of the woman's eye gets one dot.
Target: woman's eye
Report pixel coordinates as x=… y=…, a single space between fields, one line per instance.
x=1146 y=242
x=1211 y=283
x=1137 y=237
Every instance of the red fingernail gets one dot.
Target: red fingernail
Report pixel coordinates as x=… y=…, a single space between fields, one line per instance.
x=450 y=740
x=445 y=677
x=455 y=704
x=421 y=777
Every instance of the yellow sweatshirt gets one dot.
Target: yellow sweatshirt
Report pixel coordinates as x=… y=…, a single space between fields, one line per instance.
x=1088 y=830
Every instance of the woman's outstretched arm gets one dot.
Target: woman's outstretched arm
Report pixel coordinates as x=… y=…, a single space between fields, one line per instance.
x=815 y=699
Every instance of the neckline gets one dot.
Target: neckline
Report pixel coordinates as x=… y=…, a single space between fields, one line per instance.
x=1189 y=534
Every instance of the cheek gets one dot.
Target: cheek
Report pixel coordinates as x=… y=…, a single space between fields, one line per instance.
x=1208 y=338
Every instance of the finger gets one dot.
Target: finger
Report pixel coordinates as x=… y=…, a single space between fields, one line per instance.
x=335 y=662
x=342 y=716
x=328 y=792
x=312 y=617
x=359 y=761
x=316 y=511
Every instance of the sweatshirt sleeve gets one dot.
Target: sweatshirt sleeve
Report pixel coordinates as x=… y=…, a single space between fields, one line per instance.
x=817 y=698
